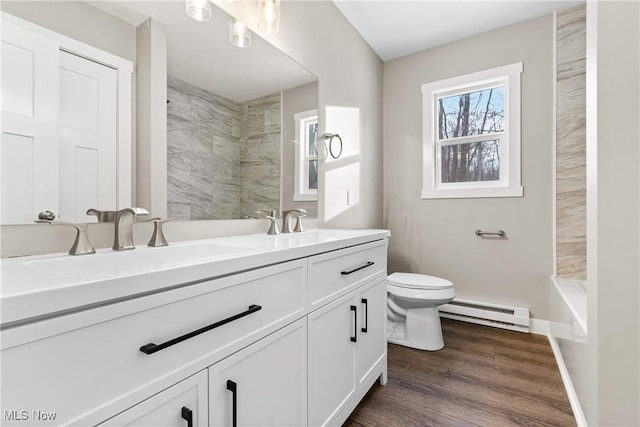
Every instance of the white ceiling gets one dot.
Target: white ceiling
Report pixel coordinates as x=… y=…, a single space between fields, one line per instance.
x=398 y=28
x=200 y=52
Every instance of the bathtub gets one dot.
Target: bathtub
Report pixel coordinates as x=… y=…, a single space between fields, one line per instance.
x=568 y=338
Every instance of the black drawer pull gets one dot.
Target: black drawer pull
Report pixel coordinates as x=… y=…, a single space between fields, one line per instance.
x=233 y=388
x=366 y=315
x=152 y=348
x=368 y=264
x=187 y=415
x=354 y=338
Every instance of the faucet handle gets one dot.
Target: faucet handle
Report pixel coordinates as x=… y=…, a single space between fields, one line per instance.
x=267 y=212
x=81 y=245
x=273 y=226
x=157 y=238
x=298 y=228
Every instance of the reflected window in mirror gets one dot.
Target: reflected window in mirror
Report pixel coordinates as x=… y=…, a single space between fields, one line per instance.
x=306 y=157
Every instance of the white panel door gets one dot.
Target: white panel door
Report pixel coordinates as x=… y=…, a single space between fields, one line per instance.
x=88 y=137
x=29 y=103
x=183 y=404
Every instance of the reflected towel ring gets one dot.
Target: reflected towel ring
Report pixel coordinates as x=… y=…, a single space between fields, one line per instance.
x=330 y=137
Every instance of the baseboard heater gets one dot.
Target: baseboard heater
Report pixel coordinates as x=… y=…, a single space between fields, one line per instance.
x=482 y=313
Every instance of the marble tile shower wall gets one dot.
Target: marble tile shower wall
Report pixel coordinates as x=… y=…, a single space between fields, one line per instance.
x=208 y=141
x=260 y=154
x=571 y=184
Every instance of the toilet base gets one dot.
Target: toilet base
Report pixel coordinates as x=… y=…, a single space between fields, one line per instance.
x=421 y=330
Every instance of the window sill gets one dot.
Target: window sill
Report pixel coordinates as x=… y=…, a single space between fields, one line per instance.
x=472 y=193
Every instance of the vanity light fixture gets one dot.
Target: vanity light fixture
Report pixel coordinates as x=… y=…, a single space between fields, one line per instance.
x=200 y=10
x=269 y=16
x=239 y=34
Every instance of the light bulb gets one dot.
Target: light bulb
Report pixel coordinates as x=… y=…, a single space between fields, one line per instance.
x=269 y=16
x=200 y=10
x=239 y=34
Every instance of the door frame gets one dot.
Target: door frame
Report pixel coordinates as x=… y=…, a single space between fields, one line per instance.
x=124 y=70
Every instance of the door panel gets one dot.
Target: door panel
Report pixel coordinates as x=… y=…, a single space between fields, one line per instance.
x=29 y=125
x=371 y=344
x=88 y=139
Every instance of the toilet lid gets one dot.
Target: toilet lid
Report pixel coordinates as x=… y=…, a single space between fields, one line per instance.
x=418 y=281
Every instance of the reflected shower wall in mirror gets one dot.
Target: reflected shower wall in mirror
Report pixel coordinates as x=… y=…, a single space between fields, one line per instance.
x=226 y=159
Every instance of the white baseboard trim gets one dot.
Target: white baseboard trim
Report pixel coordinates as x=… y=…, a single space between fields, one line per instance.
x=568 y=385
x=539 y=327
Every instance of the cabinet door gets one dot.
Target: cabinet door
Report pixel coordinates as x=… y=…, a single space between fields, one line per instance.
x=184 y=404
x=264 y=384
x=332 y=352
x=372 y=342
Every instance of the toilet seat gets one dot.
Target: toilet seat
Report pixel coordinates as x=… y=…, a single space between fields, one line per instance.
x=418 y=281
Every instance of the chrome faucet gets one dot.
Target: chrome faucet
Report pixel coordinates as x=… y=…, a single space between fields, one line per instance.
x=81 y=245
x=124 y=220
x=270 y=214
x=286 y=221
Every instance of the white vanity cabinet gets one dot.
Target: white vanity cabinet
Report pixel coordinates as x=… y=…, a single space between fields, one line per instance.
x=295 y=341
x=347 y=338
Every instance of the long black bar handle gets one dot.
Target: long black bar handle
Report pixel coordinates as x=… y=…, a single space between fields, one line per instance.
x=354 y=338
x=368 y=264
x=366 y=315
x=152 y=348
x=187 y=415
x=233 y=388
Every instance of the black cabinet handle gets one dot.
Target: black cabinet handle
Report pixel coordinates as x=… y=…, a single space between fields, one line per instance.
x=233 y=388
x=368 y=264
x=187 y=415
x=152 y=348
x=366 y=315
x=354 y=338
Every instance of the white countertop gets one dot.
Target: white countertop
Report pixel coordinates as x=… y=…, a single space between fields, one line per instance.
x=40 y=286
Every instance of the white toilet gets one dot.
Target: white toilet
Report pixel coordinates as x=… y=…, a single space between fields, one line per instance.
x=412 y=309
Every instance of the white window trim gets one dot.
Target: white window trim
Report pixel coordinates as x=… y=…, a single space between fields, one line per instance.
x=509 y=184
x=302 y=192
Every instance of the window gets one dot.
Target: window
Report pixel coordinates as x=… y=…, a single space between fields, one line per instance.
x=306 y=165
x=471 y=135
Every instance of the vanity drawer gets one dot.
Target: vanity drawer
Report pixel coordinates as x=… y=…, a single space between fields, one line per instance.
x=337 y=273
x=89 y=373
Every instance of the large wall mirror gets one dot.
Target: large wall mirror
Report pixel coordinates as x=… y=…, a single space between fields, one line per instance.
x=241 y=121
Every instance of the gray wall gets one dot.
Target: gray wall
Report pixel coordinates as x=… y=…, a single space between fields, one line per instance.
x=613 y=211
x=437 y=236
x=296 y=100
x=571 y=157
x=79 y=21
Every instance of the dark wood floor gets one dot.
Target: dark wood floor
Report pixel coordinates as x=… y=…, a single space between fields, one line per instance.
x=483 y=377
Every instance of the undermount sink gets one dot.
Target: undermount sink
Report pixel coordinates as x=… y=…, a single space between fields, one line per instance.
x=133 y=259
